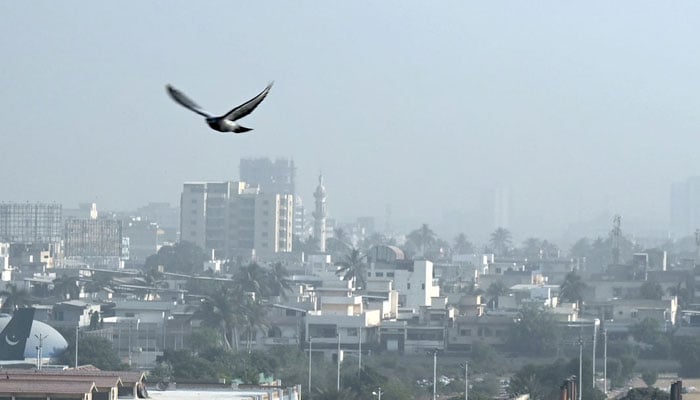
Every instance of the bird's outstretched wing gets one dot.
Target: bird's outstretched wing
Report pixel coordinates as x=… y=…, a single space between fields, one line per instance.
x=186 y=102
x=248 y=107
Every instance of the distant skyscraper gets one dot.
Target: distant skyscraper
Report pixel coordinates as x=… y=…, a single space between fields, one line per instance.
x=271 y=176
x=685 y=207
x=320 y=216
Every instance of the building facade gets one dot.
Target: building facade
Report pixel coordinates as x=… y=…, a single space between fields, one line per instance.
x=30 y=223
x=93 y=238
x=233 y=219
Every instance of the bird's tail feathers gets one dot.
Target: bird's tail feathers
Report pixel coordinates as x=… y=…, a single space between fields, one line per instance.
x=241 y=129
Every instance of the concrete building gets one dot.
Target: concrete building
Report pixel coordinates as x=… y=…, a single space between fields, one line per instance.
x=235 y=219
x=93 y=238
x=142 y=237
x=30 y=223
x=276 y=176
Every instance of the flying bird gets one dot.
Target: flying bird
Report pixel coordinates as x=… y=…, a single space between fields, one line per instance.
x=226 y=122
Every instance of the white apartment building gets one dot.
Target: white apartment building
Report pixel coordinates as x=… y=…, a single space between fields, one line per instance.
x=233 y=218
x=413 y=280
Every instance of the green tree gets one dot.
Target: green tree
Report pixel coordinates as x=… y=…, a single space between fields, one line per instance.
x=573 y=289
x=203 y=339
x=687 y=351
x=423 y=238
x=647 y=393
x=462 y=245
x=494 y=290
x=66 y=287
x=650 y=377
x=534 y=332
x=501 y=241
x=651 y=291
x=646 y=331
x=531 y=248
x=13 y=298
x=224 y=309
x=183 y=257
x=93 y=350
x=277 y=283
x=353 y=265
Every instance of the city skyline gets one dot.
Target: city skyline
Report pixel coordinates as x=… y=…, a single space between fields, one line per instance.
x=582 y=111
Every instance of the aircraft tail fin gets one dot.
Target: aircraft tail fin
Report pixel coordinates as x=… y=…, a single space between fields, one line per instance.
x=13 y=339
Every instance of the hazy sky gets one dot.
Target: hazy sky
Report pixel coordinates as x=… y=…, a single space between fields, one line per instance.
x=580 y=110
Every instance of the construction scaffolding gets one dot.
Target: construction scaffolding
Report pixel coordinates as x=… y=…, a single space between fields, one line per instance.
x=30 y=223
x=93 y=238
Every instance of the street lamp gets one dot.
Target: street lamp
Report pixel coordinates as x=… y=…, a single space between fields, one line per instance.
x=378 y=393
x=434 y=353
x=40 y=350
x=605 y=361
x=466 y=379
x=337 y=384
x=310 y=340
x=596 y=323
x=580 y=367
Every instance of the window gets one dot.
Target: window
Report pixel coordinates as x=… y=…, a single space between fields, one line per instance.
x=465 y=332
x=290 y=313
x=422 y=286
x=194 y=201
x=390 y=274
x=379 y=274
x=352 y=331
x=408 y=286
x=130 y=314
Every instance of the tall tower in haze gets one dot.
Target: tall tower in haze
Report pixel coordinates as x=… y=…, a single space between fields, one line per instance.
x=320 y=215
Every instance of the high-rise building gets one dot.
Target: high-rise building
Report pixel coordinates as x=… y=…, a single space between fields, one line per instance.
x=234 y=218
x=30 y=223
x=93 y=238
x=270 y=176
x=685 y=207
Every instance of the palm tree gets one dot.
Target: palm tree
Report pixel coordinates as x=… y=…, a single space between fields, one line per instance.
x=494 y=290
x=572 y=289
x=354 y=266
x=252 y=278
x=253 y=319
x=277 y=280
x=65 y=286
x=223 y=309
x=462 y=245
x=531 y=248
x=501 y=241
x=13 y=298
x=423 y=237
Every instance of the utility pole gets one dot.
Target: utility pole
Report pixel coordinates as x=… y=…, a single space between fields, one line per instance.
x=337 y=384
x=580 y=367
x=435 y=351
x=77 y=334
x=466 y=379
x=40 y=350
x=310 y=340
x=359 y=350
x=595 y=337
x=605 y=361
